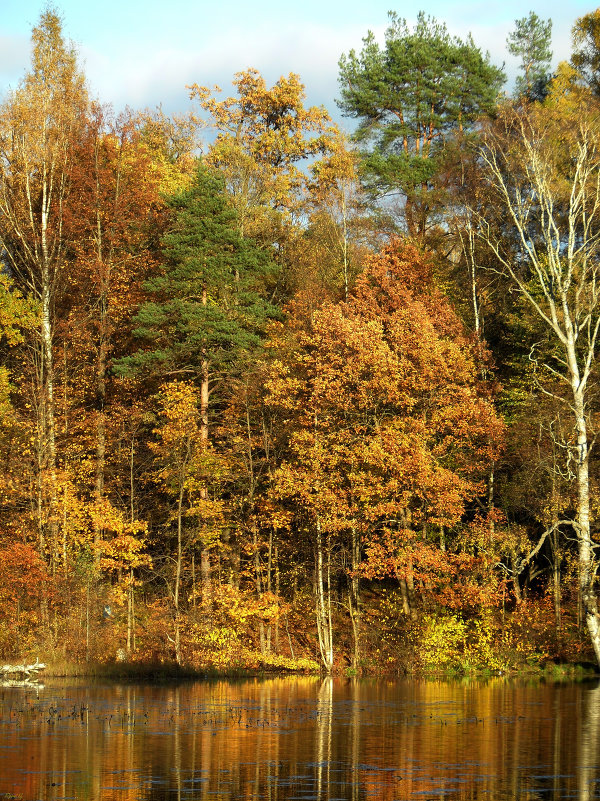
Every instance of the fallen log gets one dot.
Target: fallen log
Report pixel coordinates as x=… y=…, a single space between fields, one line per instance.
x=28 y=672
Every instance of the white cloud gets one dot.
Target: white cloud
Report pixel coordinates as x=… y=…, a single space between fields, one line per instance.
x=146 y=76
x=139 y=70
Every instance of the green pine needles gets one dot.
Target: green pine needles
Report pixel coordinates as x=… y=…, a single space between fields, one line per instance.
x=208 y=302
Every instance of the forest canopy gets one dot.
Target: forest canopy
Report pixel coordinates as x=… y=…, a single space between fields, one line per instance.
x=292 y=399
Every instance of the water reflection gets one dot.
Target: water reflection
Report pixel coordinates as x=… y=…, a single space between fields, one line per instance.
x=301 y=738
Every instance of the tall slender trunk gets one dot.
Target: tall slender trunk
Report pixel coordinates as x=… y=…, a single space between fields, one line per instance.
x=277 y=590
x=554 y=537
x=323 y=599
x=176 y=589
x=101 y=372
x=406 y=608
x=206 y=583
x=354 y=597
x=48 y=409
x=205 y=571
x=46 y=297
x=130 y=614
x=132 y=479
x=490 y=504
x=269 y=586
x=587 y=567
x=345 y=259
x=259 y=589
x=410 y=588
x=102 y=358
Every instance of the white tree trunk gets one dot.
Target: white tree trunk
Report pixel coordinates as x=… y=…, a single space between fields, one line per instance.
x=323 y=600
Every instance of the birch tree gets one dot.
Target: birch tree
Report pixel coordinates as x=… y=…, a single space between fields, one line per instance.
x=542 y=167
x=39 y=122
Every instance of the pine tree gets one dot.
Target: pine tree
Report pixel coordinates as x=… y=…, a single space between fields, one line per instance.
x=208 y=302
x=530 y=41
x=408 y=98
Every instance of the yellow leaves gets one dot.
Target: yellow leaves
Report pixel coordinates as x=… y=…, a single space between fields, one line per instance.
x=262 y=134
x=6 y=410
x=263 y=114
x=337 y=167
x=122 y=545
x=16 y=312
x=39 y=123
x=171 y=143
x=565 y=93
x=180 y=418
x=243 y=607
x=123 y=552
x=188 y=468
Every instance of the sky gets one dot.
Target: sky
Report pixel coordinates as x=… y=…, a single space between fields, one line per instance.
x=143 y=53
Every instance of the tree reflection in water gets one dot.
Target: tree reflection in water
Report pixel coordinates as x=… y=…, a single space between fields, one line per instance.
x=302 y=738
x=589 y=764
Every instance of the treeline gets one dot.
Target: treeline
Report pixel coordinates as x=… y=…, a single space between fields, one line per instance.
x=289 y=399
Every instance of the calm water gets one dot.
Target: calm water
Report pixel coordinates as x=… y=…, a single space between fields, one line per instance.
x=301 y=738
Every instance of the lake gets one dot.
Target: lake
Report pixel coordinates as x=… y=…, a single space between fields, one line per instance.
x=299 y=738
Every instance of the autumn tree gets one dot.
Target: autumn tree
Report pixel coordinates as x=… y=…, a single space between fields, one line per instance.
x=17 y=313
x=408 y=97
x=586 y=49
x=39 y=125
x=389 y=429
x=265 y=138
x=342 y=227
x=18 y=317
x=23 y=574
x=542 y=165
x=113 y=223
x=185 y=466
x=208 y=303
x=172 y=145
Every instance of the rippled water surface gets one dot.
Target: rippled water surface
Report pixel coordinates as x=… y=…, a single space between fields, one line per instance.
x=296 y=739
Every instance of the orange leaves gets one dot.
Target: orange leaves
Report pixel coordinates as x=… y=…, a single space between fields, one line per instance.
x=22 y=573
x=387 y=425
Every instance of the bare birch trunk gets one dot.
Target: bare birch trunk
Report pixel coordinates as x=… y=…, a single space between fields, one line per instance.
x=130 y=614
x=48 y=407
x=559 y=237
x=323 y=600
x=587 y=567
x=354 y=599
x=39 y=122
